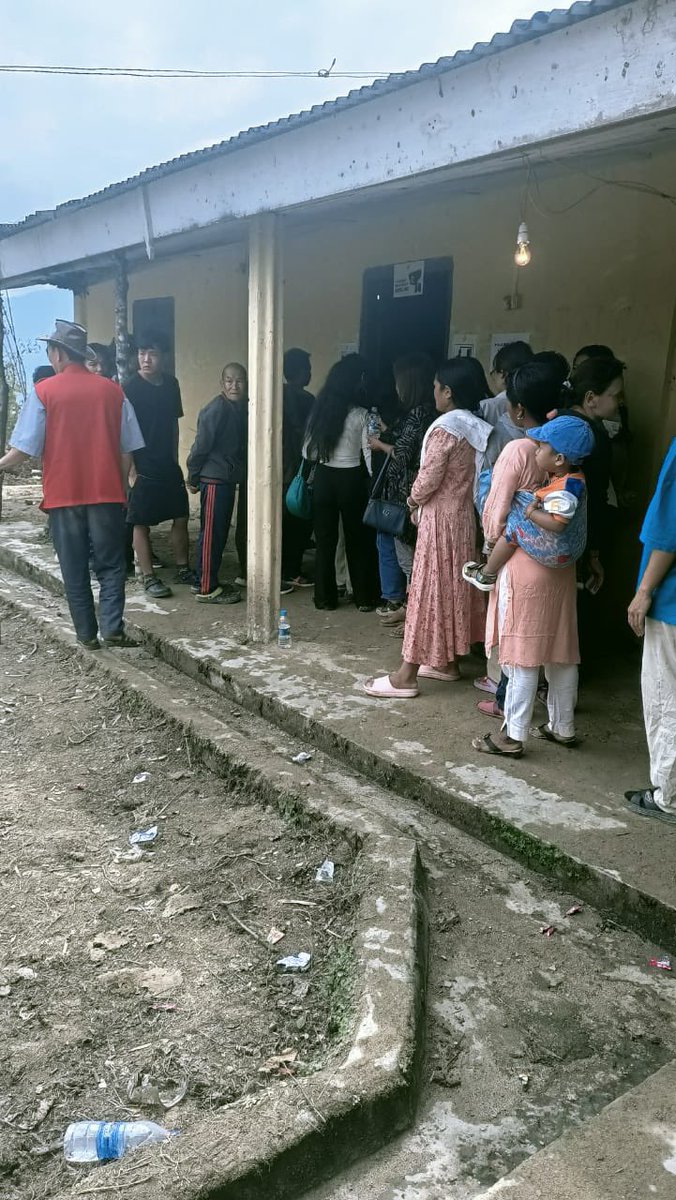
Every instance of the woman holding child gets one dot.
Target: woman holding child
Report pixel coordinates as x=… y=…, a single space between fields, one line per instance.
x=532 y=608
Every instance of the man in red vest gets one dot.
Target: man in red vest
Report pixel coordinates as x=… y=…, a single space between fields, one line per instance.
x=85 y=430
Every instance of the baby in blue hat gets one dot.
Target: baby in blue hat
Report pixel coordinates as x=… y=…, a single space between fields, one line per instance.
x=550 y=524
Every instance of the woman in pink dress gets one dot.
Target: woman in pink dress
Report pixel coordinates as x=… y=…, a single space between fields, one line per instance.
x=532 y=613
x=442 y=620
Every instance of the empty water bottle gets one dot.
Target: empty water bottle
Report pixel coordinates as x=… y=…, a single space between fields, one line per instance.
x=101 y=1141
x=283 y=630
x=373 y=423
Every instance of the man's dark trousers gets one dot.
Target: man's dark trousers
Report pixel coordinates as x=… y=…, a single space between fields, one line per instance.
x=217 y=501
x=98 y=530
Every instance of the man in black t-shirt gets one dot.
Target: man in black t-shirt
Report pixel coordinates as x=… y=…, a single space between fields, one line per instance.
x=158 y=492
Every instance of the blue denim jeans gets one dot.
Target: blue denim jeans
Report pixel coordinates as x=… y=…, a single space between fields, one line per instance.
x=96 y=531
x=392 y=578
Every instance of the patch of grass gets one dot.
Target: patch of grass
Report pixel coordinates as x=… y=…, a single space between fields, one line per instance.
x=336 y=989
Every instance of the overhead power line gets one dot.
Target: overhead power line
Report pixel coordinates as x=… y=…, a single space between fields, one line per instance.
x=176 y=73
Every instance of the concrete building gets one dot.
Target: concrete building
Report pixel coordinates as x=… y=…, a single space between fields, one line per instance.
x=387 y=221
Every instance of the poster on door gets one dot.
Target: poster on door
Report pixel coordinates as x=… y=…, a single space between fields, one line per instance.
x=409 y=279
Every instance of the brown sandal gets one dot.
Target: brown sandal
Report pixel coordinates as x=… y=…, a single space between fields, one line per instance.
x=486 y=745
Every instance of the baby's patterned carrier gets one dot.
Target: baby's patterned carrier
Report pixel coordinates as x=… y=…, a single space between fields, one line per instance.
x=550 y=549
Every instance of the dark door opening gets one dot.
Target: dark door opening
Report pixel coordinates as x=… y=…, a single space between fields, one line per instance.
x=406 y=308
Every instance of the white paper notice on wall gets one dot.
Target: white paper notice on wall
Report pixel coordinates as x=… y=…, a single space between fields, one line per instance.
x=346 y=348
x=464 y=345
x=409 y=279
x=499 y=340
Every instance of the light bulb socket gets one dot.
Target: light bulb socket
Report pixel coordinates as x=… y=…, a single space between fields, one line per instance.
x=522 y=237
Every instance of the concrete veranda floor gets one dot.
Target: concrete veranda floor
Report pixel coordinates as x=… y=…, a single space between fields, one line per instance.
x=566 y=802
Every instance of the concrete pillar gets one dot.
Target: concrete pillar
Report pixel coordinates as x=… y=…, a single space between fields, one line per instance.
x=80 y=309
x=121 y=325
x=264 y=495
x=4 y=394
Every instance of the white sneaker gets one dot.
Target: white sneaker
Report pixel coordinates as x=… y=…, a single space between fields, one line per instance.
x=240 y=582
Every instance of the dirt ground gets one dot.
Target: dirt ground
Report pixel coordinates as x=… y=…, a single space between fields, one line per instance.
x=118 y=964
x=528 y=1035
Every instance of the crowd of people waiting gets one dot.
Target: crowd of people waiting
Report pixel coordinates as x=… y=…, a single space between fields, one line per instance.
x=444 y=492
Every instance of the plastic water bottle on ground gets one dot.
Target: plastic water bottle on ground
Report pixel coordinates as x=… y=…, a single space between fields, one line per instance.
x=101 y=1141
x=283 y=630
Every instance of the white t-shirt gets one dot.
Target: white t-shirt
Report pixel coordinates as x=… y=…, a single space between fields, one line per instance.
x=352 y=443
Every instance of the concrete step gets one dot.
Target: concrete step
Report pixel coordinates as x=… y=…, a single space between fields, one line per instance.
x=627 y=1152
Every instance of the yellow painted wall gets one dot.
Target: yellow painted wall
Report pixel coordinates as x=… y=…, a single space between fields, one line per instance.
x=603 y=269
x=210 y=296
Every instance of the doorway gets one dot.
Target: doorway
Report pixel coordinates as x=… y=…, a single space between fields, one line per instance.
x=406 y=309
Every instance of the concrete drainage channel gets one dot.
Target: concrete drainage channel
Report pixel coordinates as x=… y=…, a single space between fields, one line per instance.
x=577 y=1017
x=504 y=1004
x=348 y=1108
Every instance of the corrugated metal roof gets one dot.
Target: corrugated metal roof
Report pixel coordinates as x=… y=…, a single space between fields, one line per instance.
x=521 y=31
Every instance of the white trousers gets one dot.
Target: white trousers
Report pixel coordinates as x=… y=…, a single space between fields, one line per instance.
x=658 y=686
x=521 y=694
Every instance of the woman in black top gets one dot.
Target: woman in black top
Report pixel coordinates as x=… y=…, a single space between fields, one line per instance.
x=414 y=380
x=596 y=390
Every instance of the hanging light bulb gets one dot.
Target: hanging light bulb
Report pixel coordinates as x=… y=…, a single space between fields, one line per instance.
x=522 y=255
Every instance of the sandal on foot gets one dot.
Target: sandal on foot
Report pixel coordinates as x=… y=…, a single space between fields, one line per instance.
x=383 y=689
x=489 y=708
x=394 y=616
x=485 y=684
x=486 y=745
x=475 y=574
x=545 y=734
x=442 y=676
x=643 y=802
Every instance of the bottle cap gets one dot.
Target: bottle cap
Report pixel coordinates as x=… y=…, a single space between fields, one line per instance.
x=282 y=612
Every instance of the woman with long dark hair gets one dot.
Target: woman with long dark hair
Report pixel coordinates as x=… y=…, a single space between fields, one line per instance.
x=414 y=381
x=442 y=621
x=336 y=440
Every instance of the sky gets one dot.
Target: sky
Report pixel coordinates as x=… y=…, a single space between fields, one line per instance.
x=65 y=137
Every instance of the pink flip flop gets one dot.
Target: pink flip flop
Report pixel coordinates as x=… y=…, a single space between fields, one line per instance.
x=442 y=676
x=382 y=689
x=490 y=709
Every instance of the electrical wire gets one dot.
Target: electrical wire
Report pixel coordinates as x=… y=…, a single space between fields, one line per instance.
x=179 y=73
x=632 y=185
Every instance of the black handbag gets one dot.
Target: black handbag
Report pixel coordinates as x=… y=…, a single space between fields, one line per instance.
x=387 y=516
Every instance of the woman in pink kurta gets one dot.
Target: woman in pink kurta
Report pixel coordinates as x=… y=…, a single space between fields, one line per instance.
x=442 y=617
x=532 y=612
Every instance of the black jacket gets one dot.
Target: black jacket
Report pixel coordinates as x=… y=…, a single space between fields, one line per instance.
x=596 y=470
x=218 y=453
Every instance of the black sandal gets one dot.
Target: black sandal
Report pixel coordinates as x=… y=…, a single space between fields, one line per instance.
x=545 y=734
x=486 y=745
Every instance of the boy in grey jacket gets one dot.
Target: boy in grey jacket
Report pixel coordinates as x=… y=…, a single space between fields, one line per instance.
x=216 y=464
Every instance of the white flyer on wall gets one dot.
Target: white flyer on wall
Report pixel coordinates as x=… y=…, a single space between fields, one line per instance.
x=464 y=345
x=409 y=279
x=505 y=339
